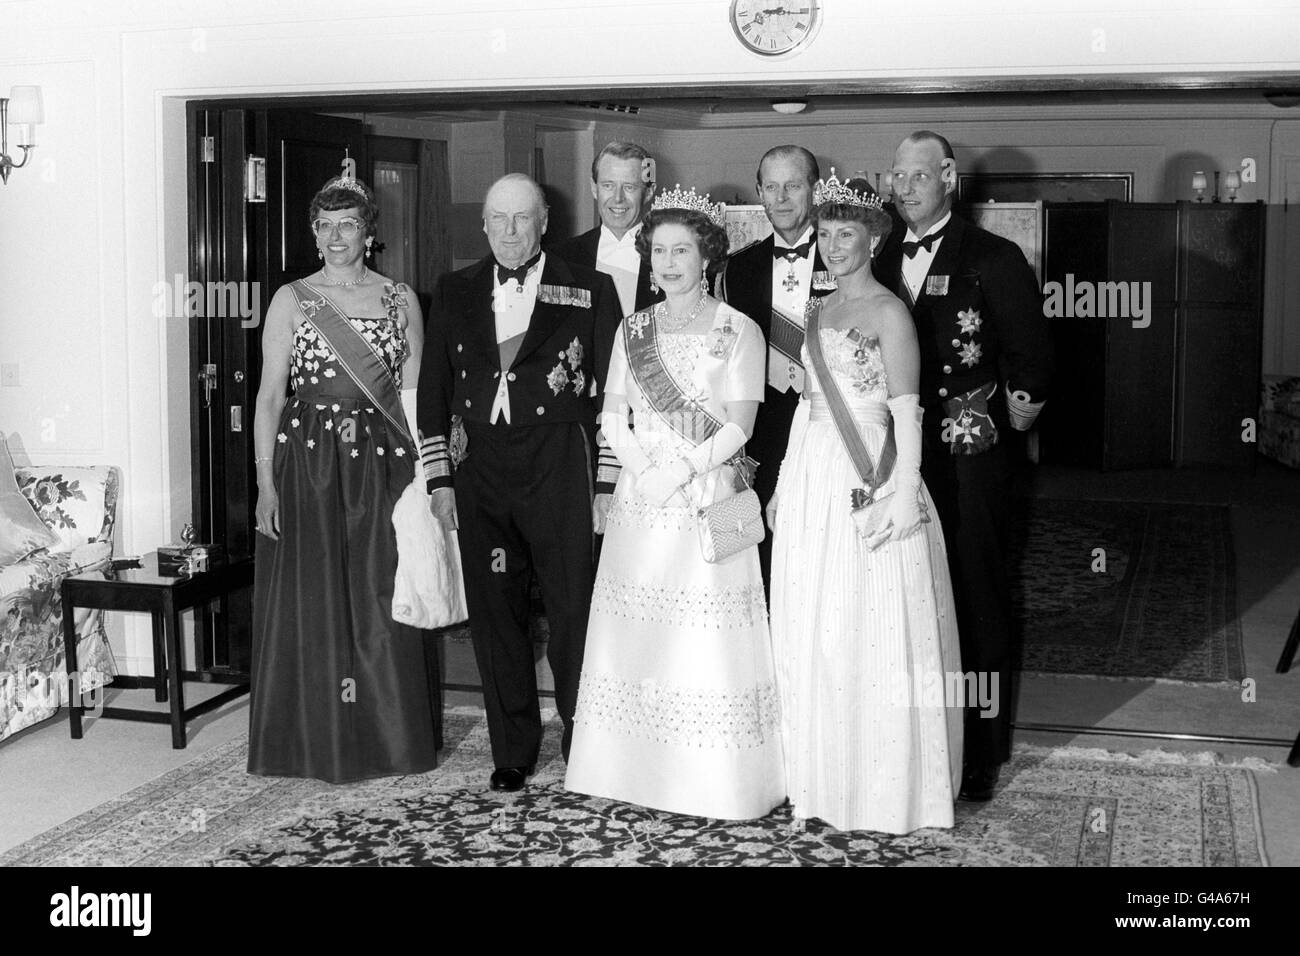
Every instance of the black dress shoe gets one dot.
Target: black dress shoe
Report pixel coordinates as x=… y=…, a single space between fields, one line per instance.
x=510 y=779
x=977 y=783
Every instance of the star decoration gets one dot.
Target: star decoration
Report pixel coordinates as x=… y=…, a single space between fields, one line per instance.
x=355 y=453
x=970 y=354
x=970 y=321
x=329 y=423
x=334 y=407
x=311 y=443
x=294 y=422
x=379 y=450
x=399 y=452
x=282 y=438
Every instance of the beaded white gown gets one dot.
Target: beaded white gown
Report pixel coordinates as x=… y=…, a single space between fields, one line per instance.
x=677 y=706
x=865 y=642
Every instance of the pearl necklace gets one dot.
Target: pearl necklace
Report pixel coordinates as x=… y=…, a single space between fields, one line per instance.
x=357 y=281
x=672 y=323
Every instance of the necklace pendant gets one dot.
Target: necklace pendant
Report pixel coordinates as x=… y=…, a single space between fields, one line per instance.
x=791 y=281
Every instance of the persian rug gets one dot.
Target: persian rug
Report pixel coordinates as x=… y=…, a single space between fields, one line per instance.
x=1063 y=807
x=1164 y=606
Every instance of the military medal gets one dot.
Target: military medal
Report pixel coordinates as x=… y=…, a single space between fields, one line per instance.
x=936 y=285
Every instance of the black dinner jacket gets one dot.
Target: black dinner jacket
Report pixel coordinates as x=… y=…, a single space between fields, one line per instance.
x=460 y=368
x=989 y=275
x=582 y=250
x=747 y=287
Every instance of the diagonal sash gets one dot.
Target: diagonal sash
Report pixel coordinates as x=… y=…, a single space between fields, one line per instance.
x=692 y=421
x=358 y=356
x=872 y=477
x=786 y=337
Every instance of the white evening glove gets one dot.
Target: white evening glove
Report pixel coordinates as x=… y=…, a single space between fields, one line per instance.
x=663 y=485
x=623 y=441
x=407 y=395
x=905 y=512
x=726 y=441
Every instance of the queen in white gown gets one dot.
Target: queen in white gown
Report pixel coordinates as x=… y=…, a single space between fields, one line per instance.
x=863 y=625
x=677 y=705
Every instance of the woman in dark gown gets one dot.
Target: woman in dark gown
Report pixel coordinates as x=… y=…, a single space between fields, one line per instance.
x=340 y=691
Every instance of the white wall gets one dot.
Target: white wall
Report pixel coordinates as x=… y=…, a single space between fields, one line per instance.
x=100 y=217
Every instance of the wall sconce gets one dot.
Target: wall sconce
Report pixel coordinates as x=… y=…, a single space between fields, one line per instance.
x=1231 y=182
x=24 y=110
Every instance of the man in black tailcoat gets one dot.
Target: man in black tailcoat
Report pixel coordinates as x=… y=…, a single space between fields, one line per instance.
x=622 y=184
x=517 y=345
x=771 y=281
x=985 y=363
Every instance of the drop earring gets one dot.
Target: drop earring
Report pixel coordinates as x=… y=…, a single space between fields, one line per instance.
x=369 y=253
x=654 y=286
x=320 y=254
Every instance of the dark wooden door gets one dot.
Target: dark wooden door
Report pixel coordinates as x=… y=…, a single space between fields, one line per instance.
x=1219 y=331
x=254 y=248
x=1140 y=363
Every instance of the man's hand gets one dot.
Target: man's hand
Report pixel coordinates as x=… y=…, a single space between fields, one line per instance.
x=442 y=502
x=600 y=512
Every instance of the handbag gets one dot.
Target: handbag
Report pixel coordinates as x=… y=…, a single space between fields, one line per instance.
x=429 y=588
x=732 y=524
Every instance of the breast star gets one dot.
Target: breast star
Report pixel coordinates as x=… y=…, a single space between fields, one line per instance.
x=970 y=321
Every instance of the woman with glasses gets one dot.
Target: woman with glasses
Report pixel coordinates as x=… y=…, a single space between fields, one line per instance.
x=340 y=691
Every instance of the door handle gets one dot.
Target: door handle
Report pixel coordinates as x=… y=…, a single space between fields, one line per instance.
x=236 y=418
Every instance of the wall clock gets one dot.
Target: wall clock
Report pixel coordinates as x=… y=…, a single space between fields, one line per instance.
x=775 y=27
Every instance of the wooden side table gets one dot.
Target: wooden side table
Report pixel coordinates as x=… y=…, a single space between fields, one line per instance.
x=165 y=597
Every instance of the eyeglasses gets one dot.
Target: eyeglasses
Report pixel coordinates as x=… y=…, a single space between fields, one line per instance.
x=347 y=226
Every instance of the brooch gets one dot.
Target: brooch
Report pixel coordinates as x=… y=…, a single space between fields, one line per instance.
x=722 y=340
x=637 y=323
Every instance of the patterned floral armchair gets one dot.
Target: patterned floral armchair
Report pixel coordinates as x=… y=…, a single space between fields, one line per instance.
x=79 y=505
x=1279 y=419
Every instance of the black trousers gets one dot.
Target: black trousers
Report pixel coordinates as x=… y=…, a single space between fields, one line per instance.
x=971 y=493
x=523 y=498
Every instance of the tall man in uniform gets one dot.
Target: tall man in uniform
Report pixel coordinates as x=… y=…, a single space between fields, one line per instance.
x=985 y=363
x=771 y=282
x=623 y=184
x=517 y=345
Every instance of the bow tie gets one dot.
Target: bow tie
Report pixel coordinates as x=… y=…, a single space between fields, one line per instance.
x=794 y=252
x=910 y=249
x=504 y=275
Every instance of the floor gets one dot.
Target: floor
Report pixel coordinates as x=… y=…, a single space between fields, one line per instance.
x=46 y=778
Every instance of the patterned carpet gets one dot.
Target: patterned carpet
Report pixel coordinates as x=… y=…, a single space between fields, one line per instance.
x=1053 y=807
x=1165 y=607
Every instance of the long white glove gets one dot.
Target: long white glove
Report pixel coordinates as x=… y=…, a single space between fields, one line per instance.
x=904 y=513
x=407 y=395
x=621 y=439
x=726 y=441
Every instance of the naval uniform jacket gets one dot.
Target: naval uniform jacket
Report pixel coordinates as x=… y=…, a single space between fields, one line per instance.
x=979 y=319
x=583 y=249
x=747 y=287
x=568 y=343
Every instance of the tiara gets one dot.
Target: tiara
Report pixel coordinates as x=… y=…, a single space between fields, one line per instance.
x=348 y=183
x=832 y=190
x=676 y=198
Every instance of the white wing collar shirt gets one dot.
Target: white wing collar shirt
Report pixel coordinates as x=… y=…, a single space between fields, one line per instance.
x=619 y=260
x=917 y=268
x=512 y=305
x=791 y=287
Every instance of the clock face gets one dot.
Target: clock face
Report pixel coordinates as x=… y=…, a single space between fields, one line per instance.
x=775 y=27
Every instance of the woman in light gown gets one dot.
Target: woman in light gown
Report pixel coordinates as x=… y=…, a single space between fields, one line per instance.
x=863 y=626
x=677 y=705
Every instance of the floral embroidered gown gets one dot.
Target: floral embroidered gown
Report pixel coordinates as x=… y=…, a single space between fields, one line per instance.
x=677 y=706
x=865 y=642
x=339 y=689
